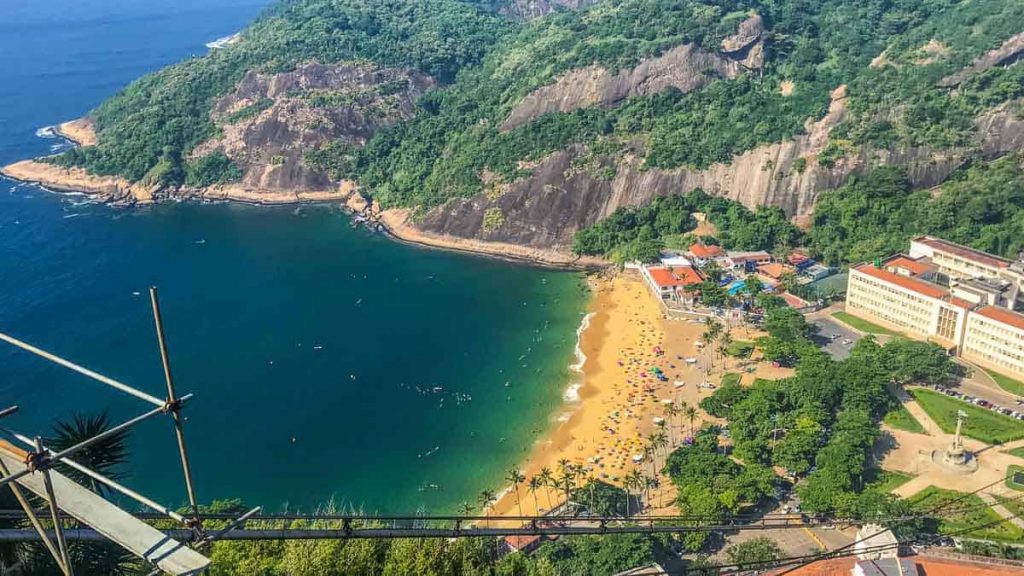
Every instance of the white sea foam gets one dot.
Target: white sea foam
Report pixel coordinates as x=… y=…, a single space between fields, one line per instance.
x=47 y=132
x=223 y=41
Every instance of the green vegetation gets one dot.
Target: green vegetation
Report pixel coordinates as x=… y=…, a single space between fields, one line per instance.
x=162 y=116
x=1010 y=471
x=740 y=349
x=756 y=551
x=731 y=379
x=985 y=425
x=1018 y=452
x=1006 y=383
x=862 y=325
x=640 y=233
x=486 y=65
x=887 y=480
x=824 y=417
x=872 y=216
x=901 y=419
x=967 y=512
x=249 y=111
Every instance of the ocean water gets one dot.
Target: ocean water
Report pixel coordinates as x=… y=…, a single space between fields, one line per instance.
x=327 y=362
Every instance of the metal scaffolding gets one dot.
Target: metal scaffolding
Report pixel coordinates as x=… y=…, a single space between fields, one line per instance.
x=32 y=469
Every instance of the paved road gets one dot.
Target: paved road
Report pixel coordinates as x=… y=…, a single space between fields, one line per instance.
x=835 y=347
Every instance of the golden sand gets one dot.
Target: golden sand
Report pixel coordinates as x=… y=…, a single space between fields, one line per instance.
x=618 y=405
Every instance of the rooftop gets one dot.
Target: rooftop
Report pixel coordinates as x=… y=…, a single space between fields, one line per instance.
x=915 y=267
x=963 y=251
x=926 y=565
x=913 y=284
x=773 y=270
x=675 y=276
x=1002 y=315
x=704 y=252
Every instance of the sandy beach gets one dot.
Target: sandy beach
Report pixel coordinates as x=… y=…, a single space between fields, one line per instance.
x=619 y=401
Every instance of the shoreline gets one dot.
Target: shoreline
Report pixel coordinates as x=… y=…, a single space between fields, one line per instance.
x=619 y=402
x=606 y=410
x=117 y=191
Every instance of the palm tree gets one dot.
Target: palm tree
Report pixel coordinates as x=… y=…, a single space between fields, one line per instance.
x=532 y=486
x=661 y=441
x=711 y=332
x=516 y=478
x=724 y=341
x=691 y=413
x=683 y=407
x=653 y=444
x=106 y=457
x=649 y=456
x=487 y=500
x=547 y=478
x=565 y=467
x=671 y=411
x=466 y=508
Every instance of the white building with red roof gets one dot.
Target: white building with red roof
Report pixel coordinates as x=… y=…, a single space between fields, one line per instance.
x=928 y=294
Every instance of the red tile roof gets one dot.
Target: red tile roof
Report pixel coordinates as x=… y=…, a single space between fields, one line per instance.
x=914 y=266
x=1002 y=315
x=521 y=541
x=912 y=284
x=677 y=276
x=773 y=270
x=704 y=252
x=926 y=565
x=964 y=252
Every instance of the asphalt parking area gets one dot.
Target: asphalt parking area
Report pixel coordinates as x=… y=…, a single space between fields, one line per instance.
x=834 y=338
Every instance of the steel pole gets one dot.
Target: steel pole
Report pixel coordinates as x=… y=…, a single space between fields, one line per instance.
x=34 y=520
x=90 y=441
x=82 y=370
x=172 y=402
x=112 y=484
x=58 y=528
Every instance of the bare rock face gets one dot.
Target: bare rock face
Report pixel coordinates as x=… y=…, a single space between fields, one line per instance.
x=685 y=67
x=1010 y=52
x=546 y=209
x=269 y=121
x=745 y=46
x=531 y=9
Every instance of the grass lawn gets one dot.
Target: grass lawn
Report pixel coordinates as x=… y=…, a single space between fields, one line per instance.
x=1010 y=471
x=1012 y=503
x=740 y=349
x=1006 y=383
x=971 y=511
x=1018 y=452
x=730 y=378
x=985 y=425
x=888 y=480
x=863 y=325
x=900 y=419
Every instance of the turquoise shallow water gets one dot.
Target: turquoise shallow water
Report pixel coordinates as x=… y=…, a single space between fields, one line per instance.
x=326 y=361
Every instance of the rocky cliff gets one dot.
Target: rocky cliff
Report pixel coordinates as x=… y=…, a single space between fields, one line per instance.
x=545 y=209
x=269 y=122
x=686 y=68
x=530 y=9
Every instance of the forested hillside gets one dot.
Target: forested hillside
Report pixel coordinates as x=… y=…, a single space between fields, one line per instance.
x=537 y=128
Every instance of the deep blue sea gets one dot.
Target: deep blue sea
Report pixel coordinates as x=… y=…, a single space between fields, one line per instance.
x=326 y=361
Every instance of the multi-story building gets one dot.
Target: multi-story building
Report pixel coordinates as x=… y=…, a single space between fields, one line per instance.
x=955 y=296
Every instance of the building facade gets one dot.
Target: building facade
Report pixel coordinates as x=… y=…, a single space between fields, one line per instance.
x=957 y=297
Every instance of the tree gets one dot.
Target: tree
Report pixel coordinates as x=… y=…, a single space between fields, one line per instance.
x=754 y=552
x=548 y=479
x=691 y=413
x=671 y=411
x=515 y=477
x=724 y=342
x=535 y=484
x=487 y=500
x=106 y=456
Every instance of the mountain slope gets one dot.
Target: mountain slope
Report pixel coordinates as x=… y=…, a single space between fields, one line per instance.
x=526 y=132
